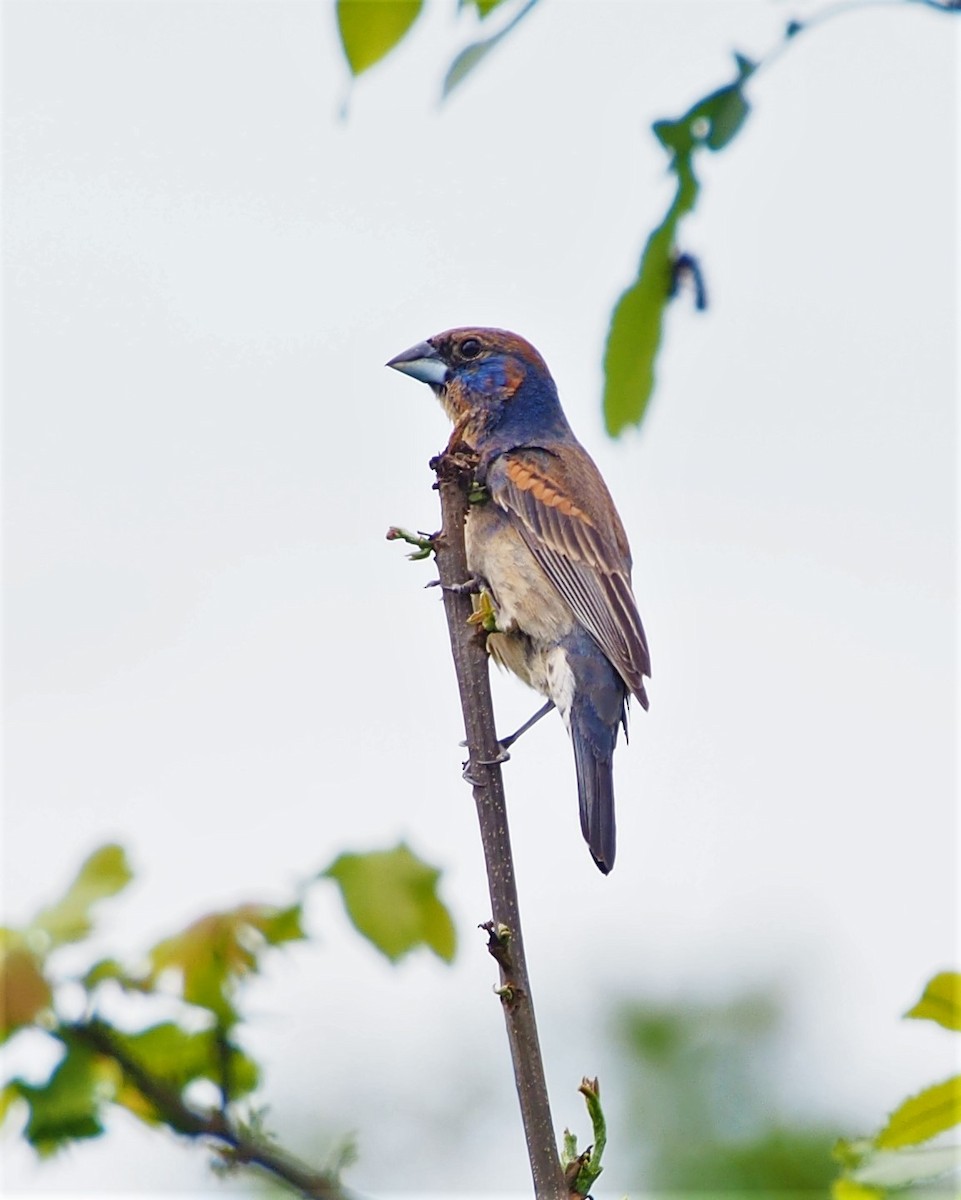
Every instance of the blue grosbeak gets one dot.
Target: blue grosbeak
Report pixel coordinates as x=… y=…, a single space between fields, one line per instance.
x=548 y=547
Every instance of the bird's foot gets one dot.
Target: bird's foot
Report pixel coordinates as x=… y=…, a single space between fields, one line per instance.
x=470 y=587
x=500 y=757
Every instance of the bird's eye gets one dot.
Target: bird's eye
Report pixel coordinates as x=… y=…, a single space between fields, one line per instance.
x=470 y=348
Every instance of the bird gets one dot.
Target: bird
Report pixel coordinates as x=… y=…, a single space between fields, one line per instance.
x=547 y=547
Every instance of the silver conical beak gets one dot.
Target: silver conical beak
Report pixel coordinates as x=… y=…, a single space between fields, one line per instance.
x=421 y=362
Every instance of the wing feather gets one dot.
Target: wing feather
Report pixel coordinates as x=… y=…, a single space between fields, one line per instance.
x=565 y=514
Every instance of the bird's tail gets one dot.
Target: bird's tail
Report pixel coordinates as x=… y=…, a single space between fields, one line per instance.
x=597 y=708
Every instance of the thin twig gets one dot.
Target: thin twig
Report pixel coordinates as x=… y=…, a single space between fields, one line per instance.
x=840 y=8
x=454 y=475
x=237 y=1144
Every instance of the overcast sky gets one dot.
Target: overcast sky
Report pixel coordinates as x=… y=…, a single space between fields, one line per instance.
x=214 y=657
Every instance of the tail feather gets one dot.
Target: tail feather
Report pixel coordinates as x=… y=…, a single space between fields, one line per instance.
x=598 y=707
x=595 y=793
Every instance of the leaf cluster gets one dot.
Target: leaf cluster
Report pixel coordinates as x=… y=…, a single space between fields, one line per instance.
x=371 y=29
x=904 y=1153
x=161 y=1070
x=707 y=1120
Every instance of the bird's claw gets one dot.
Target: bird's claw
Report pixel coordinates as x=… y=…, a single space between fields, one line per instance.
x=502 y=754
x=470 y=587
x=501 y=757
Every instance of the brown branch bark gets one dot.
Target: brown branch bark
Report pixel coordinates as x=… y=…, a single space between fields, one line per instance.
x=237 y=1144
x=454 y=475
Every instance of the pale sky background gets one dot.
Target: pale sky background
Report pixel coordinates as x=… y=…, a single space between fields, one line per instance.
x=214 y=657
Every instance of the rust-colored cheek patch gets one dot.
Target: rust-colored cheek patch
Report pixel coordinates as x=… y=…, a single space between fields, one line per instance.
x=514 y=375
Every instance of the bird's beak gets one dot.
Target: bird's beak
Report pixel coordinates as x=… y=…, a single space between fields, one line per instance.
x=421 y=362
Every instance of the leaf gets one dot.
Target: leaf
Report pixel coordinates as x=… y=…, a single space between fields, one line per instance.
x=941 y=1001
x=850 y=1154
x=105 y=873
x=277 y=926
x=370 y=29
x=391 y=898
x=713 y=121
x=484 y=7
x=848 y=1189
x=637 y=321
x=67 y=1106
x=890 y=1169
x=725 y=113
x=176 y=1057
x=471 y=55
x=8 y=1098
x=466 y=61
x=109 y=968
x=24 y=992
x=219 y=950
x=923 y=1116
x=634 y=335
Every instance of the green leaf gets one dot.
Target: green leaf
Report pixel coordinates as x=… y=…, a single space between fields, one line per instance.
x=277 y=926
x=634 y=336
x=391 y=898
x=370 y=29
x=24 y=991
x=637 y=321
x=725 y=112
x=67 y=1106
x=104 y=873
x=941 y=1001
x=9 y=1096
x=591 y=1168
x=848 y=1189
x=217 y=951
x=177 y=1057
x=484 y=7
x=850 y=1154
x=109 y=968
x=923 y=1116
x=713 y=121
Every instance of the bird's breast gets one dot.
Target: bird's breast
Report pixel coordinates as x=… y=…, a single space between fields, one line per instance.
x=525 y=599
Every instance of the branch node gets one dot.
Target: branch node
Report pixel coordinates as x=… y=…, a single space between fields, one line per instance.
x=498 y=944
x=508 y=992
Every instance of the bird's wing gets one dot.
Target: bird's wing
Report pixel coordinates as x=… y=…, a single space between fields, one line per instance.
x=565 y=514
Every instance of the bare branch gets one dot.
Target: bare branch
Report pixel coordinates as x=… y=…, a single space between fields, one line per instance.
x=454 y=475
x=236 y=1144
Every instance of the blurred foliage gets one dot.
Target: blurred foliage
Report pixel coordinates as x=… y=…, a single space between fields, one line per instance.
x=707 y=1121
x=391 y=898
x=911 y=1148
x=702 y=1111
x=370 y=29
x=151 y=1070
x=473 y=54
x=637 y=322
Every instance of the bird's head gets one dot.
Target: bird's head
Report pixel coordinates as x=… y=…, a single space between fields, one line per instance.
x=490 y=381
